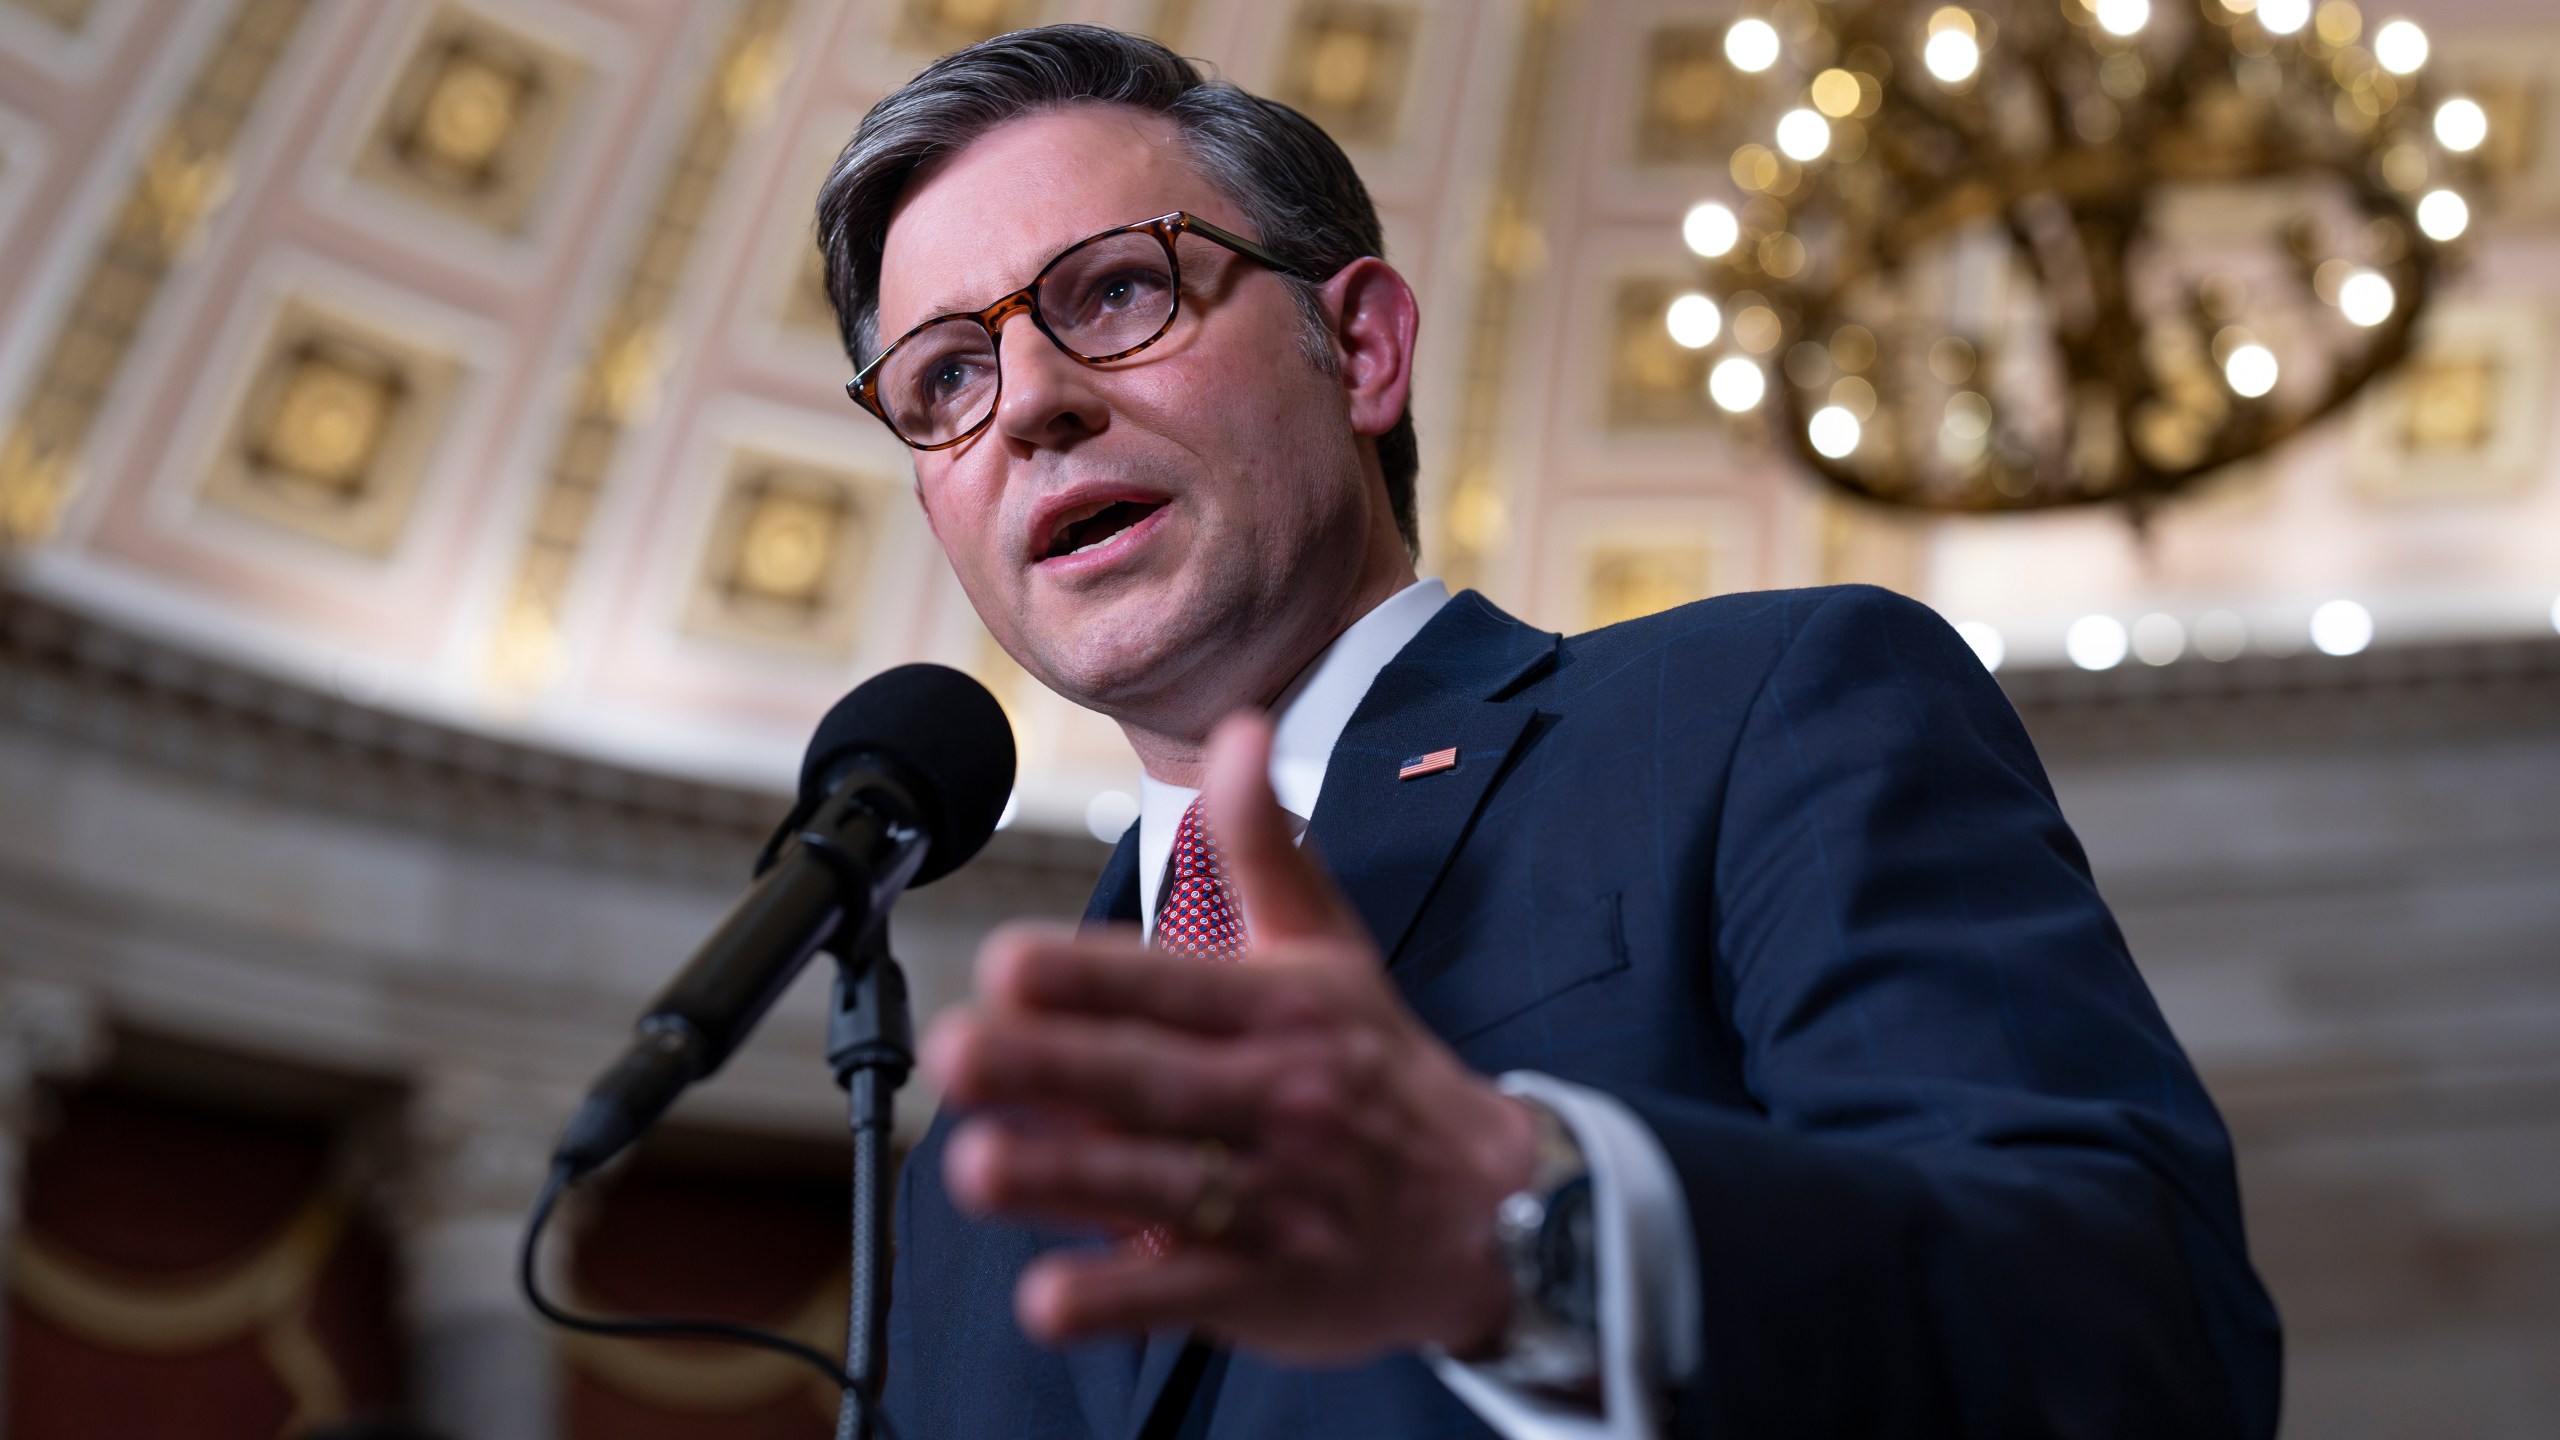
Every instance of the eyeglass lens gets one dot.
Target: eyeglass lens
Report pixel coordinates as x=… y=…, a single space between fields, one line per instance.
x=1100 y=300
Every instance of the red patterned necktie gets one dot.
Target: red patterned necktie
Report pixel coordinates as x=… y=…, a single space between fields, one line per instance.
x=1199 y=919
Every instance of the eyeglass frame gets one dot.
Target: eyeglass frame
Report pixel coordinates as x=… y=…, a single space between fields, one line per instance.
x=863 y=389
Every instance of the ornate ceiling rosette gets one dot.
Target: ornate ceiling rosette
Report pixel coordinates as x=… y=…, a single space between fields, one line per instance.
x=2037 y=253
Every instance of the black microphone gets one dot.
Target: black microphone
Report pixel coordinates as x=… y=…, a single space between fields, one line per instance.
x=903 y=782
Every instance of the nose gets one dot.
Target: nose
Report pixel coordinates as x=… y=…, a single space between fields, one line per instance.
x=1049 y=396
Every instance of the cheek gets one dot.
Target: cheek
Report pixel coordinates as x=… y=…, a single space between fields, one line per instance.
x=1249 y=415
x=964 y=519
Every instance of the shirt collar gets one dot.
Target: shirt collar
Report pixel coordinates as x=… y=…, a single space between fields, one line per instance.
x=1307 y=720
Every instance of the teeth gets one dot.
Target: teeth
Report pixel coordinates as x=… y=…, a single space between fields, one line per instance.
x=1128 y=520
x=1105 y=540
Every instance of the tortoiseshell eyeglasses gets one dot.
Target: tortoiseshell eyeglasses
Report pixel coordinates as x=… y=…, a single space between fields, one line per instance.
x=1102 y=299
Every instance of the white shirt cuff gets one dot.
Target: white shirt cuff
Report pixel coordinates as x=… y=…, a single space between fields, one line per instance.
x=1649 y=1317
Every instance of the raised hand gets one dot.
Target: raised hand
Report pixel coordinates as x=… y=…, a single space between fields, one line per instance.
x=1327 y=1169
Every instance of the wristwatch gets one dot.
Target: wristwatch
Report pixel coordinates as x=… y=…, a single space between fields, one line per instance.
x=1547 y=1237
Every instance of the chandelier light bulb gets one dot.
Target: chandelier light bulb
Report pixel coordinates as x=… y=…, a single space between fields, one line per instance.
x=1815 y=146
x=1710 y=229
x=2283 y=17
x=1803 y=135
x=1109 y=813
x=1836 y=93
x=2251 y=370
x=1985 y=641
x=2443 y=215
x=2125 y=17
x=2221 y=635
x=2158 y=639
x=1952 y=56
x=2366 y=299
x=1736 y=384
x=1751 y=45
x=2341 y=627
x=2096 y=642
x=1694 y=320
x=1968 y=416
x=2461 y=124
x=2400 y=47
x=1833 y=431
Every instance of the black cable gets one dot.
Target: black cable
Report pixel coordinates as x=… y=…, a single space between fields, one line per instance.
x=673 y=1327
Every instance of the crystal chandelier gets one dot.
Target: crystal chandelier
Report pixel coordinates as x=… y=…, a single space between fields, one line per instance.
x=2033 y=253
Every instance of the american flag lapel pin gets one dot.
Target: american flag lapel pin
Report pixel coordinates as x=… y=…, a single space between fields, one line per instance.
x=1431 y=764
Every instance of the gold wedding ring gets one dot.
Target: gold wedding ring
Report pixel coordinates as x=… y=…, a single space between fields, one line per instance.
x=1215 y=1209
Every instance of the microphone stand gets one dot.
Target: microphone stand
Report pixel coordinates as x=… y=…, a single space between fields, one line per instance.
x=871 y=1046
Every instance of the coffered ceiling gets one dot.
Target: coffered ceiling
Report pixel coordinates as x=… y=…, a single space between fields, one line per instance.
x=468 y=358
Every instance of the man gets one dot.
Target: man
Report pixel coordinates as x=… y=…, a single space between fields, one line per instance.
x=1703 y=1026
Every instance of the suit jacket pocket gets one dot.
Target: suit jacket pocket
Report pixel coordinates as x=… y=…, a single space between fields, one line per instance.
x=1497 y=973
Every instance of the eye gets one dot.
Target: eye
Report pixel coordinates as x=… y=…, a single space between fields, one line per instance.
x=1113 y=294
x=940 y=370
x=1122 y=290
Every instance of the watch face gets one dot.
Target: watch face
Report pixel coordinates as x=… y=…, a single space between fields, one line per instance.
x=1567 y=1250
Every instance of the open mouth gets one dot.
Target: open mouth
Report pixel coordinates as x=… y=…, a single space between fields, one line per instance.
x=1091 y=527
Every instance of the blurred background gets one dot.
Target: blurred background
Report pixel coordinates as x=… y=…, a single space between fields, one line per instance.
x=432 y=523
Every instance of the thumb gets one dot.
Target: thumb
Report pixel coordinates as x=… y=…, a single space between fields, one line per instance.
x=1284 y=895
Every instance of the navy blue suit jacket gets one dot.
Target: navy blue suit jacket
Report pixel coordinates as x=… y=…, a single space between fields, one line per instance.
x=1782 y=873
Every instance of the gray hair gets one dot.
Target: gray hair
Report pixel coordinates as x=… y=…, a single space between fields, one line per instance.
x=1306 y=203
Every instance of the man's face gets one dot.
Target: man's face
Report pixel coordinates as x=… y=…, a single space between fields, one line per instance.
x=1176 y=522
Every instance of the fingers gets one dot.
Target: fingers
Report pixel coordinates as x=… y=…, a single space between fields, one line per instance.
x=1135 y=1077
x=1284 y=895
x=1070 y=1174
x=1067 y=1295
x=1045 y=968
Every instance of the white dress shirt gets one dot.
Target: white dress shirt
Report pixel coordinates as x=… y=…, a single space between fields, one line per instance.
x=1648 y=1313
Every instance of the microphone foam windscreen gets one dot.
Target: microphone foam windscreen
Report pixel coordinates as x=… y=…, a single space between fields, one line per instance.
x=946 y=732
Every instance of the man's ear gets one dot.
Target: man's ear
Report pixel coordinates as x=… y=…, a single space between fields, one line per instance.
x=1374 y=322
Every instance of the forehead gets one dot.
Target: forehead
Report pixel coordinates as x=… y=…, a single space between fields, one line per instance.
x=982 y=222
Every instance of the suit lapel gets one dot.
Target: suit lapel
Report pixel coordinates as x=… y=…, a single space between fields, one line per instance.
x=1155 y=1367
x=1115 y=895
x=1388 y=840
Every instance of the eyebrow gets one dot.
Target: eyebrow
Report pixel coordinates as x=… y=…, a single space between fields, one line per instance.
x=948 y=304
x=952 y=305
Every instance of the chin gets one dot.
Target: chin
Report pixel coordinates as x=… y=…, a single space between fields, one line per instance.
x=1119 y=654
x=1111 y=671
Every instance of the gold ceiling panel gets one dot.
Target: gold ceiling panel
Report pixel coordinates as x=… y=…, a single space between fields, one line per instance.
x=1685 y=96
x=938 y=27
x=626 y=363
x=2451 y=404
x=2464 y=418
x=1653 y=380
x=805 y=307
x=1474 y=520
x=1173 y=21
x=473 y=121
x=1347 y=64
x=790 y=546
x=68 y=16
x=1866 y=544
x=1621 y=581
x=334 y=432
x=184 y=173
